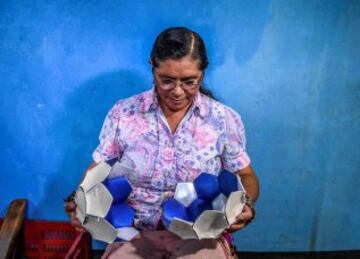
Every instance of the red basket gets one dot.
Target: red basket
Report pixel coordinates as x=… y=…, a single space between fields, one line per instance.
x=54 y=240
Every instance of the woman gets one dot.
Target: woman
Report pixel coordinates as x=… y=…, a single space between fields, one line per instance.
x=171 y=134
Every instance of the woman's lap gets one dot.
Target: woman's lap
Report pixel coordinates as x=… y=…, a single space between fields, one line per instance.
x=164 y=244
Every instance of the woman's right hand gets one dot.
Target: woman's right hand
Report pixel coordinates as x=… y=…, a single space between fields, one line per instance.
x=70 y=209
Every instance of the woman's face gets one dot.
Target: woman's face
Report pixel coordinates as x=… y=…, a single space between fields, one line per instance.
x=177 y=83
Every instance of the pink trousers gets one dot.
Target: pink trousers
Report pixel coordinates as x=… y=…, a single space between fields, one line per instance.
x=163 y=244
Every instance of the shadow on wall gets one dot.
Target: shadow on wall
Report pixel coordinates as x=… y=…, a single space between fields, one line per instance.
x=77 y=128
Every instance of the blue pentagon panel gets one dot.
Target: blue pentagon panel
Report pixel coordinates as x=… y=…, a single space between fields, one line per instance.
x=111 y=162
x=228 y=182
x=173 y=209
x=119 y=188
x=197 y=207
x=207 y=186
x=121 y=215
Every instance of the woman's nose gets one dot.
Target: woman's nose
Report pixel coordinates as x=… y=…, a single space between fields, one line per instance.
x=178 y=90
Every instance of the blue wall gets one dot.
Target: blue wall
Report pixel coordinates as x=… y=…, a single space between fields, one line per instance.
x=291 y=68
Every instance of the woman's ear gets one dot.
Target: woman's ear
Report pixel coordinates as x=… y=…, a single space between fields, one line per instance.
x=151 y=64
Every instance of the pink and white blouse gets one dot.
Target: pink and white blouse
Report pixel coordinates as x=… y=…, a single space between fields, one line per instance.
x=210 y=137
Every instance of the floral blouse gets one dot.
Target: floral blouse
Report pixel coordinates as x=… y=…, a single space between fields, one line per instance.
x=208 y=139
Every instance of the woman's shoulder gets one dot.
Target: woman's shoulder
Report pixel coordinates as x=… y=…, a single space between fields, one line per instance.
x=131 y=105
x=216 y=107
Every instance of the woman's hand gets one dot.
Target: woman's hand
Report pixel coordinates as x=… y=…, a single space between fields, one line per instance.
x=70 y=209
x=242 y=220
x=70 y=206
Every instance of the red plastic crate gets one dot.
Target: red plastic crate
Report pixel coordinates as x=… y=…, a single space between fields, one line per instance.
x=54 y=240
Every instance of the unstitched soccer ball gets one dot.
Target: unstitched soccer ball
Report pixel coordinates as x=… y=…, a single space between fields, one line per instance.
x=101 y=204
x=206 y=207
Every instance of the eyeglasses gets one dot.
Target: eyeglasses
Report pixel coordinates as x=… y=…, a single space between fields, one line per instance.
x=169 y=84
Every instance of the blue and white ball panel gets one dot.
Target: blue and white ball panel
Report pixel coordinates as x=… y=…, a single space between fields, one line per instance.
x=126 y=233
x=95 y=175
x=173 y=209
x=100 y=229
x=206 y=207
x=111 y=162
x=80 y=205
x=101 y=205
x=98 y=201
x=219 y=202
x=183 y=228
x=119 y=188
x=197 y=207
x=185 y=193
x=234 y=206
x=210 y=224
x=120 y=215
x=118 y=170
x=207 y=186
x=229 y=182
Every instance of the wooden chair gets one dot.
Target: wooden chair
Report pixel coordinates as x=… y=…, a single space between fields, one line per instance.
x=10 y=232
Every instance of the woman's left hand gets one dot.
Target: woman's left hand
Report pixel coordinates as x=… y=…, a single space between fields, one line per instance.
x=242 y=220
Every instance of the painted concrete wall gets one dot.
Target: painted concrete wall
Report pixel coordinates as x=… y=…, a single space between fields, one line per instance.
x=290 y=68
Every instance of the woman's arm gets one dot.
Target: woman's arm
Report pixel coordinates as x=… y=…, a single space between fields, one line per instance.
x=250 y=182
x=251 y=185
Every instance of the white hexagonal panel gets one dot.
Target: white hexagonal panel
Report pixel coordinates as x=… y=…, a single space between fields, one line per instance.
x=210 y=224
x=234 y=206
x=185 y=193
x=240 y=186
x=183 y=229
x=100 y=229
x=98 y=201
x=80 y=204
x=95 y=175
x=119 y=170
x=126 y=233
x=219 y=202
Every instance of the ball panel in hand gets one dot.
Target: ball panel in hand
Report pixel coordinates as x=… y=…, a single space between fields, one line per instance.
x=234 y=206
x=104 y=212
x=215 y=199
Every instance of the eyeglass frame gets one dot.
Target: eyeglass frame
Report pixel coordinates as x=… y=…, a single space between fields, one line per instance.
x=181 y=83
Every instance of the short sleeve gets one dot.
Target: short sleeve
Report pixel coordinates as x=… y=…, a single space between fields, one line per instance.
x=109 y=141
x=234 y=156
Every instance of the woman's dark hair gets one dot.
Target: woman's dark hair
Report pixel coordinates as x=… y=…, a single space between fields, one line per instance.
x=176 y=43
